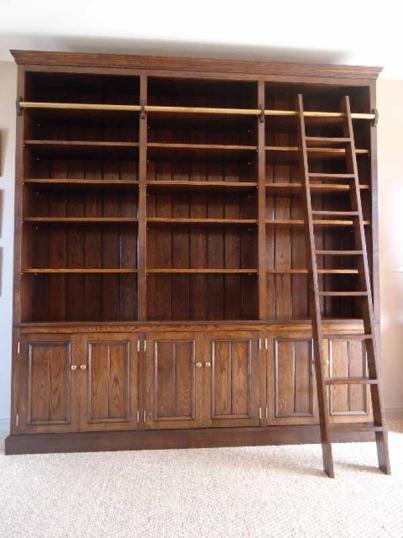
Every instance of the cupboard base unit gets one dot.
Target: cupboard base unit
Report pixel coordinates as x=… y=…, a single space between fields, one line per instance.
x=181 y=385
x=168 y=439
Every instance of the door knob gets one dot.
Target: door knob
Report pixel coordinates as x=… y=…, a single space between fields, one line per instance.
x=199 y=364
x=83 y=366
x=73 y=367
x=207 y=364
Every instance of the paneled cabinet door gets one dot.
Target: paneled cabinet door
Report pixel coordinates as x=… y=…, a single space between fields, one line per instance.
x=107 y=369
x=173 y=381
x=231 y=364
x=47 y=399
x=346 y=357
x=291 y=391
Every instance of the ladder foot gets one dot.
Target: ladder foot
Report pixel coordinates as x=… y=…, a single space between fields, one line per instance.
x=381 y=439
x=328 y=459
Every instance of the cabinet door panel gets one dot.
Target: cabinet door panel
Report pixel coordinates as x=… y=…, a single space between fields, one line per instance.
x=291 y=392
x=47 y=400
x=109 y=382
x=347 y=358
x=234 y=380
x=172 y=381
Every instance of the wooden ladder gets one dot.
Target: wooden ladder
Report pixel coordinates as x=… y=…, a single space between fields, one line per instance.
x=364 y=294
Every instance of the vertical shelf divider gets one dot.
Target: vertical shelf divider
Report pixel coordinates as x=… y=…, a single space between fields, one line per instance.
x=262 y=278
x=142 y=206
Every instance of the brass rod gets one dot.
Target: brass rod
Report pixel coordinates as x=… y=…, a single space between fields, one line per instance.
x=189 y=110
x=79 y=106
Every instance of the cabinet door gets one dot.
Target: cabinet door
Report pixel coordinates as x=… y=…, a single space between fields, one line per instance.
x=291 y=392
x=173 y=382
x=346 y=357
x=108 y=382
x=232 y=364
x=48 y=384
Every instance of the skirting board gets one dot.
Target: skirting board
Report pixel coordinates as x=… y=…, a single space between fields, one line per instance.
x=153 y=439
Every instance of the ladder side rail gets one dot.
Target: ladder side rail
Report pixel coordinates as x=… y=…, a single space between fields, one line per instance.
x=365 y=283
x=315 y=298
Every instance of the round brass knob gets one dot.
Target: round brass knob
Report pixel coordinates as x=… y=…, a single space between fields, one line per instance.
x=83 y=366
x=73 y=367
x=207 y=364
x=199 y=364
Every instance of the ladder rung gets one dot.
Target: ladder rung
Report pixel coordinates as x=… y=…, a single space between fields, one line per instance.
x=339 y=252
x=336 y=213
x=343 y=293
x=322 y=175
x=331 y=174
x=351 y=381
x=355 y=427
x=326 y=140
x=348 y=336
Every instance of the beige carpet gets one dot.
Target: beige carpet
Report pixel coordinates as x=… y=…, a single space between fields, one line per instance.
x=251 y=492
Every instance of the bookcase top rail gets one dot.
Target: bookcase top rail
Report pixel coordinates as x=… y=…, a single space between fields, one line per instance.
x=190 y=110
x=226 y=66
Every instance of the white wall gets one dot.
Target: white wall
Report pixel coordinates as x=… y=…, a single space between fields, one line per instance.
x=390 y=168
x=8 y=88
x=391 y=234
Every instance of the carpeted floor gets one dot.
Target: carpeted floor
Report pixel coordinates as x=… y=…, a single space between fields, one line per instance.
x=228 y=492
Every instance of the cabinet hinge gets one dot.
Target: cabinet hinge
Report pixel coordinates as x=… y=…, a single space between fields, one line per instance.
x=266 y=343
x=18 y=347
x=138 y=346
x=260 y=413
x=144 y=416
x=138 y=416
x=260 y=344
x=17 y=420
x=265 y=413
x=145 y=345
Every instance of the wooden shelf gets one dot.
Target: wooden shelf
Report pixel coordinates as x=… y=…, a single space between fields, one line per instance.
x=202 y=271
x=280 y=189
x=200 y=221
x=201 y=185
x=82 y=182
x=320 y=222
x=79 y=271
x=201 y=147
x=81 y=220
x=82 y=143
x=315 y=152
x=305 y=271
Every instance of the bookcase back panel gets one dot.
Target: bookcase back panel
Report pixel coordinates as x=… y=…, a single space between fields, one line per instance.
x=201 y=93
x=202 y=297
x=82 y=88
x=82 y=125
x=79 y=297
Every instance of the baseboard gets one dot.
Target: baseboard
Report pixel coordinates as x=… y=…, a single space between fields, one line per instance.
x=43 y=443
x=4 y=425
x=394 y=413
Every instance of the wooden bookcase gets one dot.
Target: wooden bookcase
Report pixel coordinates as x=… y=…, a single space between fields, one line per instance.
x=161 y=281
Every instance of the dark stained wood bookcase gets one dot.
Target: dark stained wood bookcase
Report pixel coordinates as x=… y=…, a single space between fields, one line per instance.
x=161 y=283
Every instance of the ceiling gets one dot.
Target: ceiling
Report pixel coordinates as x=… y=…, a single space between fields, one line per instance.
x=366 y=32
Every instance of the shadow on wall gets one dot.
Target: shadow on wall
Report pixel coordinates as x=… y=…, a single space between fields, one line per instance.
x=160 y=47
